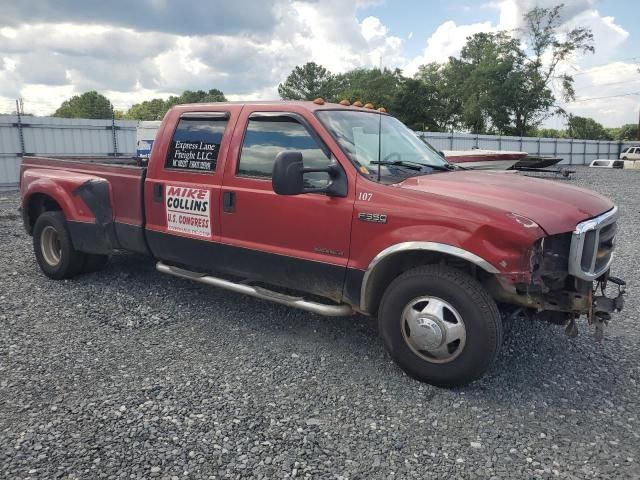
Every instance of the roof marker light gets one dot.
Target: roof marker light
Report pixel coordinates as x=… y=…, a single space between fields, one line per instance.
x=382 y=110
x=345 y=102
x=368 y=105
x=357 y=103
x=319 y=101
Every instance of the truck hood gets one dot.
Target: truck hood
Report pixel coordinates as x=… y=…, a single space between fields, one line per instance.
x=556 y=207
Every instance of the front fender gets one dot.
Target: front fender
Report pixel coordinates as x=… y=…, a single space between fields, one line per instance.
x=505 y=254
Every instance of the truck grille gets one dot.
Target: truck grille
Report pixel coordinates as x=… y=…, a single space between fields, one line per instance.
x=592 y=243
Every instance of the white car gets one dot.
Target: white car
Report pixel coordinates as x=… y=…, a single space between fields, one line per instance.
x=607 y=163
x=630 y=153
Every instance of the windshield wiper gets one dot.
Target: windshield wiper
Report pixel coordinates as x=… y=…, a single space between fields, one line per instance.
x=413 y=165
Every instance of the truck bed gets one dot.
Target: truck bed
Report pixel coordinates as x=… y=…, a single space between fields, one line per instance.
x=108 y=161
x=125 y=176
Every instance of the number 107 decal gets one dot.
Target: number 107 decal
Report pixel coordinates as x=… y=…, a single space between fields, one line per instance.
x=365 y=196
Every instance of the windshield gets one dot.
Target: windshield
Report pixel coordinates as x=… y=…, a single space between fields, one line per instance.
x=373 y=141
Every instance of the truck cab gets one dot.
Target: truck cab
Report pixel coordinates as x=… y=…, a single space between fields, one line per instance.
x=336 y=209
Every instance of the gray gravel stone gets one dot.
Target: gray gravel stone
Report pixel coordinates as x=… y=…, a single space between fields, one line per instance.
x=127 y=373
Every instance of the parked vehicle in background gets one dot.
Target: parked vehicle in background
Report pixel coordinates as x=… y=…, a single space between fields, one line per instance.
x=630 y=153
x=145 y=135
x=336 y=209
x=478 y=159
x=607 y=163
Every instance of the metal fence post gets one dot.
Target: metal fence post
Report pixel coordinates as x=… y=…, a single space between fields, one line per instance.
x=20 y=133
x=571 y=151
x=520 y=142
x=584 y=153
x=555 y=147
x=451 y=140
x=113 y=133
x=499 y=142
x=539 y=146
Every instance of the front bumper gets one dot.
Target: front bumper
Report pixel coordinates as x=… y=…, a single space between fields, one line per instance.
x=602 y=305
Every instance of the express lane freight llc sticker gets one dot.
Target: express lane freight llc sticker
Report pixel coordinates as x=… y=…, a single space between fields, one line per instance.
x=188 y=210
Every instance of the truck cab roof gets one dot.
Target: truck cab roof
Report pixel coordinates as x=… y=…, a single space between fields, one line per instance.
x=309 y=105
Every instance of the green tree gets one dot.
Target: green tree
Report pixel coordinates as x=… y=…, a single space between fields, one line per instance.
x=550 y=46
x=628 y=131
x=505 y=89
x=156 y=108
x=308 y=82
x=547 y=133
x=445 y=107
x=148 y=110
x=586 y=128
x=87 y=105
x=486 y=77
x=379 y=87
x=412 y=105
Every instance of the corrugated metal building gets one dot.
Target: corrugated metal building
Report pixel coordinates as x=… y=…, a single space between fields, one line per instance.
x=573 y=151
x=59 y=136
x=77 y=136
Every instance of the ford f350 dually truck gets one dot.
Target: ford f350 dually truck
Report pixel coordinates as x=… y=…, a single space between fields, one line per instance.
x=336 y=209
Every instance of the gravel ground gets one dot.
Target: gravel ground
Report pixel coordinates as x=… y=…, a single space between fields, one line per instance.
x=128 y=373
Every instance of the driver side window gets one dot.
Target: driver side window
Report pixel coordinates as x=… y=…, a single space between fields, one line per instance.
x=266 y=137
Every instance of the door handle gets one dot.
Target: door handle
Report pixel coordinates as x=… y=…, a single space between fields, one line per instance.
x=229 y=202
x=157 y=192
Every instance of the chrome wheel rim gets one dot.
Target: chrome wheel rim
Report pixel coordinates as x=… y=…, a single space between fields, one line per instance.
x=50 y=245
x=433 y=329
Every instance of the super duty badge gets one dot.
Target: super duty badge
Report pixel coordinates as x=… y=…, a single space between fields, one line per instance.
x=372 y=217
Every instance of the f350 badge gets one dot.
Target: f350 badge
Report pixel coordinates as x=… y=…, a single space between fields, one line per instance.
x=372 y=217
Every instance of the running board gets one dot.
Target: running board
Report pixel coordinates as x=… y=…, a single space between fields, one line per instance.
x=259 y=292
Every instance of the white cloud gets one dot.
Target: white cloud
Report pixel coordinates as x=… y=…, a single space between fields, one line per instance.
x=48 y=54
x=372 y=28
x=447 y=40
x=60 y=59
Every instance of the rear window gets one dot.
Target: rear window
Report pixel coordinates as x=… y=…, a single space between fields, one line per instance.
x=196 y=144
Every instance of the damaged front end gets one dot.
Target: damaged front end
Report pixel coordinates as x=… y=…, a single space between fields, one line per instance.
x=569 y=276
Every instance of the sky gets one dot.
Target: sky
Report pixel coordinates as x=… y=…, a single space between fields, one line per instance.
x=137 y=50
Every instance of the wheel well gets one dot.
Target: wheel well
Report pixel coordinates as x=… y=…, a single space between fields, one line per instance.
x=37 y=205
x=395 y=265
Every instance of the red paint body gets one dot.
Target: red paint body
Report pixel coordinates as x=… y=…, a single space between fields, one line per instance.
x=470 y=210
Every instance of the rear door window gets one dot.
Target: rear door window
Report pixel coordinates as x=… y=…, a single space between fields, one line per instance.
x=196 y=144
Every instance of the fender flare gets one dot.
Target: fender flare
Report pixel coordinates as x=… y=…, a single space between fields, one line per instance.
x=417 y=246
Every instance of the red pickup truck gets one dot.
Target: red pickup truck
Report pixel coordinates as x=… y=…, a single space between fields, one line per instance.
x=336 y=209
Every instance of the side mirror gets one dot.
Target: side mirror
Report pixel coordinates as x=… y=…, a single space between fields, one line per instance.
x=288 y=176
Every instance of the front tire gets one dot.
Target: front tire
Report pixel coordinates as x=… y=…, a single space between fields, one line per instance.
x=53 y=247
x=440 y=325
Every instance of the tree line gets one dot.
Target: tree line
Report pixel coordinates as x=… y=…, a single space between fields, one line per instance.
x=494 y=86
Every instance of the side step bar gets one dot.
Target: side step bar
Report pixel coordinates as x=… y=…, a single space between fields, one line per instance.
x=259 y=292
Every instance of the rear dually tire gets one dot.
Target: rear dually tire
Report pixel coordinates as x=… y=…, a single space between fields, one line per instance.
x=53 y=247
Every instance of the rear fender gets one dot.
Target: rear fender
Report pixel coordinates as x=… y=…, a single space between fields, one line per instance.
x=85 y=201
